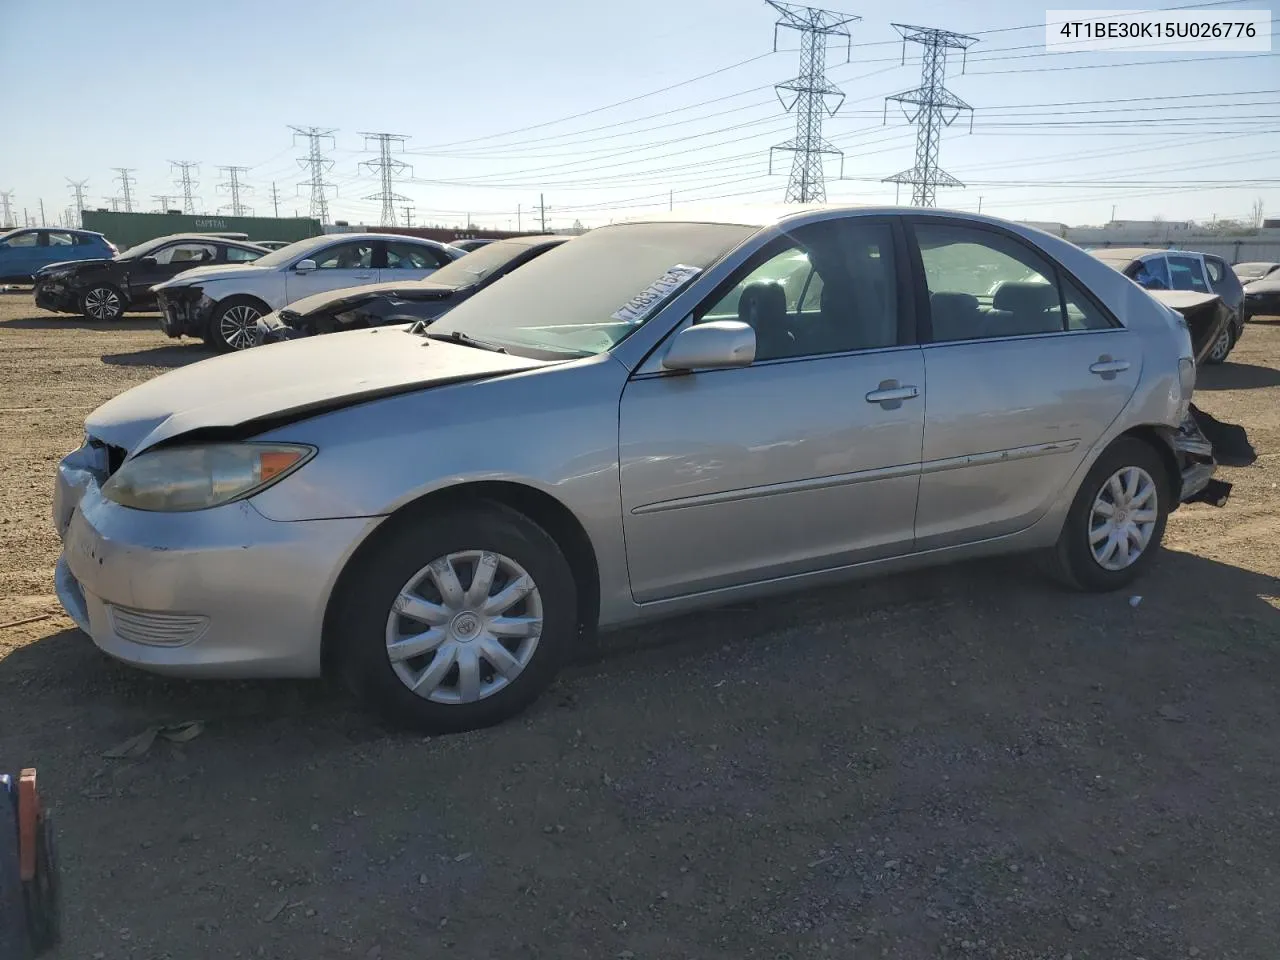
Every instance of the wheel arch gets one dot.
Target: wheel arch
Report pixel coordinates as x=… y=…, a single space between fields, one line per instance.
x=253 y=297
x=559 y=522
x=1151 y=436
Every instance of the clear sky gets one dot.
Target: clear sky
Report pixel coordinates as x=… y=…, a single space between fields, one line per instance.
x=485 y=90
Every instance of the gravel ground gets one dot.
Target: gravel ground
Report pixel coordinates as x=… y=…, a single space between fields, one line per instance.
x=967 y=762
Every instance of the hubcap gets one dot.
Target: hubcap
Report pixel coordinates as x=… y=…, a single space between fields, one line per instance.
x=464 y=626
x=102 y=303
x=1123 y=518
x=1222 y=346
x=239 y=327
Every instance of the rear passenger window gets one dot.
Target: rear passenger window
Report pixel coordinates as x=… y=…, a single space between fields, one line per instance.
x=59 y=239
x=1185 y=274
x=1215 y=268
x=983 y=285
x=1082 y=313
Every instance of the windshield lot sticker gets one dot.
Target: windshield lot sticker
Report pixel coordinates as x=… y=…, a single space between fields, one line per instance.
x=642 y=304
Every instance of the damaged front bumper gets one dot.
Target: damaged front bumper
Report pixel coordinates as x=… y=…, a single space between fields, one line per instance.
x=184 y=311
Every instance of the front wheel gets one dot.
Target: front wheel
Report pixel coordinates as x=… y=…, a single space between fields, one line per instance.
x=1117 y=520
x=457 y=621
x=234 y=325
x=102 y=302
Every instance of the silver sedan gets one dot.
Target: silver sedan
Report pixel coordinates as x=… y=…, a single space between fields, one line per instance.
x=658 y=417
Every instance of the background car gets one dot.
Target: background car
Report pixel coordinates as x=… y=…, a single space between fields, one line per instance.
x=23 y=252
x=1262 y=297
x=104 y=289
x=1157 y=269
x=641 y=422
x=474 y=243
x=1254 y=270
x=383 y=303
x=222 y=305
x=272 y=244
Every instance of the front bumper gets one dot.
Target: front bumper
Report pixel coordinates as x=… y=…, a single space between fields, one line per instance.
x=222 y=593
x=55 y=296
x=184 y=311
x=1261 y=305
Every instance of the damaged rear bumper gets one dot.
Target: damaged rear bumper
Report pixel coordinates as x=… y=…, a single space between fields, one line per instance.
x=1200 y=444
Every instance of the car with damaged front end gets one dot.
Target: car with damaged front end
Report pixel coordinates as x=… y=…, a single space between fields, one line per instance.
x=658 y=417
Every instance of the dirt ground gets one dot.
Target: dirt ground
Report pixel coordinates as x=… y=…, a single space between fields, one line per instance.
x=968 y=762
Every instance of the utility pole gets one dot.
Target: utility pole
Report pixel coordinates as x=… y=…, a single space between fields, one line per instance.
x=671 y=199
x=233 y=185
x=542 y=211
x=979 y=203
x=408 y=216
x=184 y=181
x=6 y=208
x=810 y=90
x=936 y=107
x=275 y=199
x=1113 y=213
x=387 y=168
x=126 y=182
x=317 y=165
x=43 y=221
x=77 y=188
x=519 y=219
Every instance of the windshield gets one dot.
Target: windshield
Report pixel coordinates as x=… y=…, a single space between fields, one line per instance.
x=586 y=296
x=278 y=258
x=477 y=265
x=143 y=248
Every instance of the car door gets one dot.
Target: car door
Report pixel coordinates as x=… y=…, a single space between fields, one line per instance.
x=409 y=261
x=165 y=264
x=804 y=460
x=55 y=246
x=19 y=255
x=1026 y=370
x=345 y=264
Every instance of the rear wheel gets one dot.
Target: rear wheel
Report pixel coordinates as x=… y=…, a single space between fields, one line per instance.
x=457 y=621
x=1117 y=520
x=234 y=325
x=102 y=302
x=1221 y=348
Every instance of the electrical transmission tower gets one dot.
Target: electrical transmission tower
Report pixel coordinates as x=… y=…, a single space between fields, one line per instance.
x=275 y=199
x=316 y=164
x=810 y=90
x=184 y=181
x=77 y=189
x=162 y=199
x=233 y=185
x=388 y=167
x=126 y=183
x=6 y=208
x=115 y=203
x=935 y=107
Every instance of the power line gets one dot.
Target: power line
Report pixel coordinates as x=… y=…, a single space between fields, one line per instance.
x=317 y=165
x=233 y=186
x=936 y=107
x=77 y=189
x=126 y=182
x=811 y=88
x=388 y=168
x=184 y=181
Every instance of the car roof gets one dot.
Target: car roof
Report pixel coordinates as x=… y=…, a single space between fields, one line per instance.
x=1125 y=254
x=314 y=243
x=203 y=238
x=542 y=240
x=76 y=230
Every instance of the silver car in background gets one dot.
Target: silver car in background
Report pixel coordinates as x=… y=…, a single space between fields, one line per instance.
x=658 y=417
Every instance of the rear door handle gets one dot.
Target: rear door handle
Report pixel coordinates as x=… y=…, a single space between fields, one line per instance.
x=1106 y=365
x=890 y=394
x=363 y=276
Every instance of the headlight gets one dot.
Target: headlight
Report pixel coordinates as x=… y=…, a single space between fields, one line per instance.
x=199 y=477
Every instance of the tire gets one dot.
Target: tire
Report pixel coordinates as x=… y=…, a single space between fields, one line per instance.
x=1222 y=346
x=1073 y=559
x=233 y=324
x=372 y=616
x=102 y=302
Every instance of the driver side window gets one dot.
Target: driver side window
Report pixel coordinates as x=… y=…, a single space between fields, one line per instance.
x=347 y=256
x=194 y=254
x=829 y=288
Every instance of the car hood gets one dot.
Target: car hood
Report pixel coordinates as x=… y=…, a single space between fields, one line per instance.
x=253 y=390
x=70 y=266
x=196 y=274
x=335 y=299
x=1265 y=285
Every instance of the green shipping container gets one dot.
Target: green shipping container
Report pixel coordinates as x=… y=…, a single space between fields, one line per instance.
x=127 y=229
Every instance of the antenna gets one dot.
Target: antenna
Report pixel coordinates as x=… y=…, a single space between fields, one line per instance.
x=936 y=107
x=387 y=168
x=811 y=88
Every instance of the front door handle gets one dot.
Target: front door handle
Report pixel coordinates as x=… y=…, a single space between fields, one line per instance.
x=1108 y=368
x=890 y=394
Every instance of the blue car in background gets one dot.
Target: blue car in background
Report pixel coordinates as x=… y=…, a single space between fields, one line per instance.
x=27 y=249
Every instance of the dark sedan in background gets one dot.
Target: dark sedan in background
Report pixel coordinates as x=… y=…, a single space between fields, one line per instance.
x=379 y=304
x=1262 y=297
x=104 y=289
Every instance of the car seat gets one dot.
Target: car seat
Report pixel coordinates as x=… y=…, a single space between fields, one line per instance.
x=763 y=306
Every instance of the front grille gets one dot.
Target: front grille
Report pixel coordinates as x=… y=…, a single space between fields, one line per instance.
x=156 y=629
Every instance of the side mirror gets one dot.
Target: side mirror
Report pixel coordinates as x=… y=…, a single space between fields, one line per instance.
x=149 y=261
x=715 y=344
x=304 y=266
